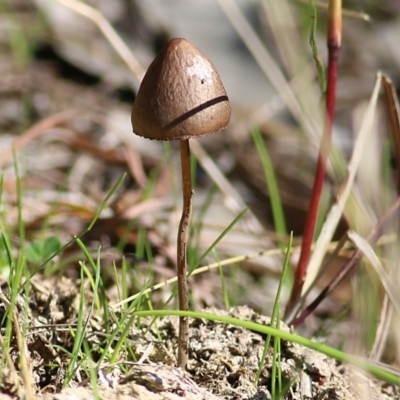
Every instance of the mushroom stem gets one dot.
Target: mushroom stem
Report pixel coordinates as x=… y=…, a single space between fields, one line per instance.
x=183 y=234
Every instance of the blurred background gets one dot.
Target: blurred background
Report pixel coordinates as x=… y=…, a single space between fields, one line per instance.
x=65 y=102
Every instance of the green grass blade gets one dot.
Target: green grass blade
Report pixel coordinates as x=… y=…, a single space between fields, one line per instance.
x=276 y=203
x=96 y=268
x=223 y=285
x=314 y=47
x=338 y=355
x=276 y=308
x=21 y=226
x=196 y=227
x=219 y=238
x=105 y=201
x=7 y=249
x=86 y=230
x=78 y=334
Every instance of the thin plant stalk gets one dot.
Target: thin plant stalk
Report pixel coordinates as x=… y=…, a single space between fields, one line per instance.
x=314 y=48
x=334 y=44
x=390 y=214
x=393 y=109
x=183 y=235
x=275 y=317
x=271 y=181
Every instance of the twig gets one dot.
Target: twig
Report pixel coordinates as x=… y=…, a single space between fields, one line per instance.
x=108 y=31
x=334 y=43
x=36 y=130
x=267 y=64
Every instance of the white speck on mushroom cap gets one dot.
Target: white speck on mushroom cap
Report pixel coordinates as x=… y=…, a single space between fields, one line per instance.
x=181 y=96
x=202 y=69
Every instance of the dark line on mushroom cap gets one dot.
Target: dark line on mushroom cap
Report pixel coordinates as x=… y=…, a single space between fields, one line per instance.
x=194 y=111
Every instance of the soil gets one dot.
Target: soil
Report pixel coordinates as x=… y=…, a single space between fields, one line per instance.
x=224 y=359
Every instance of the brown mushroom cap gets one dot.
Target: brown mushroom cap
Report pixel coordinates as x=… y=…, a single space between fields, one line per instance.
x=181 y=96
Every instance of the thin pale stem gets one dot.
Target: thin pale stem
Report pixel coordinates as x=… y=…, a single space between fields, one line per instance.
x=334 y=42
x=183 y=234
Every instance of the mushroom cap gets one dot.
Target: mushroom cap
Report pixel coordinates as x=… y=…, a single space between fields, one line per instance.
x=181 y=96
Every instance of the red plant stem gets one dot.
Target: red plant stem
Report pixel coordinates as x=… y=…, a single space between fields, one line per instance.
x=334 y=42
x=390 y=215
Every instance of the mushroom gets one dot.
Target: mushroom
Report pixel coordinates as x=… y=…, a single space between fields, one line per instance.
x=181 y=97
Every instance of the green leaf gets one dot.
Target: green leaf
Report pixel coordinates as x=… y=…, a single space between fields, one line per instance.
x=34 y=251
x=51 y=246
x=38 y=250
